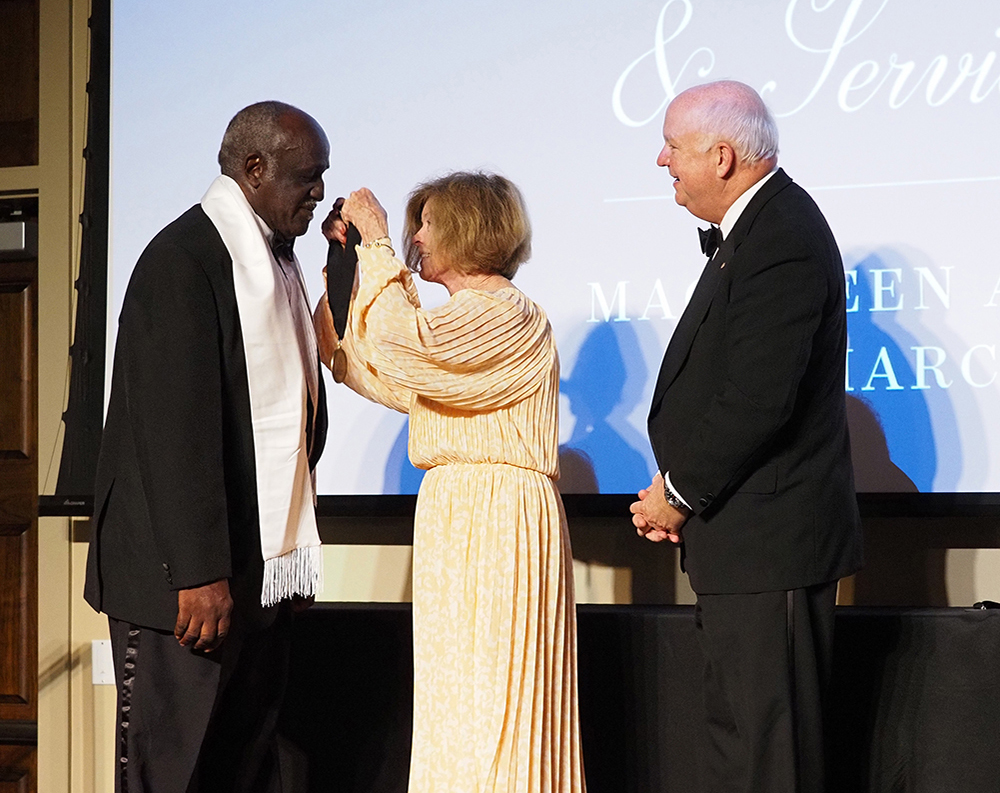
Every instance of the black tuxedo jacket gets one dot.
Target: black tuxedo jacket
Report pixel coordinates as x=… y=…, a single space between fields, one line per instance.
x=749 y=414
x=176 y=493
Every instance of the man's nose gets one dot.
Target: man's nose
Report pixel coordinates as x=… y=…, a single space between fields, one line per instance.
x=663 y=160
x=318 y=191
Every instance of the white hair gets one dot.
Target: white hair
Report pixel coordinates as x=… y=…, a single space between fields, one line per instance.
x=734 y=112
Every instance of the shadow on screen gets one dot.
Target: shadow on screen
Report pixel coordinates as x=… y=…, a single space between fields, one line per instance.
x=401 y=477
x=874 y=470
x=896 y=447
x=602 y=454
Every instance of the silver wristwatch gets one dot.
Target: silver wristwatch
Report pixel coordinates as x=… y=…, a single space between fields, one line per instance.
x=673 y=500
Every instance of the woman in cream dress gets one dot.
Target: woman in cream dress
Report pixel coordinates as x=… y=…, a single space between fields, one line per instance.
x=494 y=622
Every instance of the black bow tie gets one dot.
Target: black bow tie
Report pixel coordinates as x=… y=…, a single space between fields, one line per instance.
x=281 y=246
x=710 y=239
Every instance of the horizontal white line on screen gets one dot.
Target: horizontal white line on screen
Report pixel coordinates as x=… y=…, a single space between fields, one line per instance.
x=921 y=183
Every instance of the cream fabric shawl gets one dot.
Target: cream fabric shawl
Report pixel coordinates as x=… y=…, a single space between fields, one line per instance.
x=276 y=374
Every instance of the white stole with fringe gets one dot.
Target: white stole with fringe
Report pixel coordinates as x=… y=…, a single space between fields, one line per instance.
x=276 y=376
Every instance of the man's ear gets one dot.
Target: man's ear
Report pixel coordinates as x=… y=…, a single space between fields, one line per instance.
x=725 y=162
x=253 y=169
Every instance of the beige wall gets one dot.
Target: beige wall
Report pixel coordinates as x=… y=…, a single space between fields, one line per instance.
x=58 y=179
x=76 y=718
x=381 y=574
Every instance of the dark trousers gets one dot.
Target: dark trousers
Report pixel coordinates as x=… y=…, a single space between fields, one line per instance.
x=195 y=722
x=767 y=668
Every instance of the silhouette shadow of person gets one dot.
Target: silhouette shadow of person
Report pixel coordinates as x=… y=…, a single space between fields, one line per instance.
x=881 y=373
x=401 y=476
x=598 y=457
x=874 y=470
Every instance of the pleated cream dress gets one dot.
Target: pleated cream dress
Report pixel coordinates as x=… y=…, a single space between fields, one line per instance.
x=494 y=621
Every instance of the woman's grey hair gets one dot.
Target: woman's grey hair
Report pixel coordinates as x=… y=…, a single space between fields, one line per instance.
x=254 y=130
x=734 y=112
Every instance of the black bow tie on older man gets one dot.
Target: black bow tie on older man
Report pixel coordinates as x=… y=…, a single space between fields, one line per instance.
x=281 y=246
x=710 y=239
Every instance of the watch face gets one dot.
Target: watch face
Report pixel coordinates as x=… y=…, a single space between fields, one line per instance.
x=672 y=498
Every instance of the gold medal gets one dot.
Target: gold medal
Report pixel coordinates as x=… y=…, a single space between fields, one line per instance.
x=339 y=365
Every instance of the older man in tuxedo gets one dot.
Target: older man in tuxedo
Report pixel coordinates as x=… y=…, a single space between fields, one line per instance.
x=205 y=535
x=748 y=426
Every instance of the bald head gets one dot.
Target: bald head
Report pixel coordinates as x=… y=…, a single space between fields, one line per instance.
x=258 y=129
x=719 y=140
x=734 y=112
x=277 y=154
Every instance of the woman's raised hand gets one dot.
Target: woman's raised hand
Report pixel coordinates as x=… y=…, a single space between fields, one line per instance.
x=367 y=214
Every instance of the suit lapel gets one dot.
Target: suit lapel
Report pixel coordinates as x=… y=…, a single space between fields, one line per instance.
x=688 y=324
x=701 y=299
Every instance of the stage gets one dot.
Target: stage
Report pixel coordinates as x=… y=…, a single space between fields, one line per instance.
x=915 y=700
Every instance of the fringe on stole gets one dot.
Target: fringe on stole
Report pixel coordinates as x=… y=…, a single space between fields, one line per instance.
x=298 y=572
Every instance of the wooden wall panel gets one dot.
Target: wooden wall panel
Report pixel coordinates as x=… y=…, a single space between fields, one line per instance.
x=18 y=396
x=19 y=67
x=18 y=626
x=15 y=379
x=17 y=769
x=18 y=525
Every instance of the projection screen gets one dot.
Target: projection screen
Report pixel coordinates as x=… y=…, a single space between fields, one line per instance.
x=888 y=111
